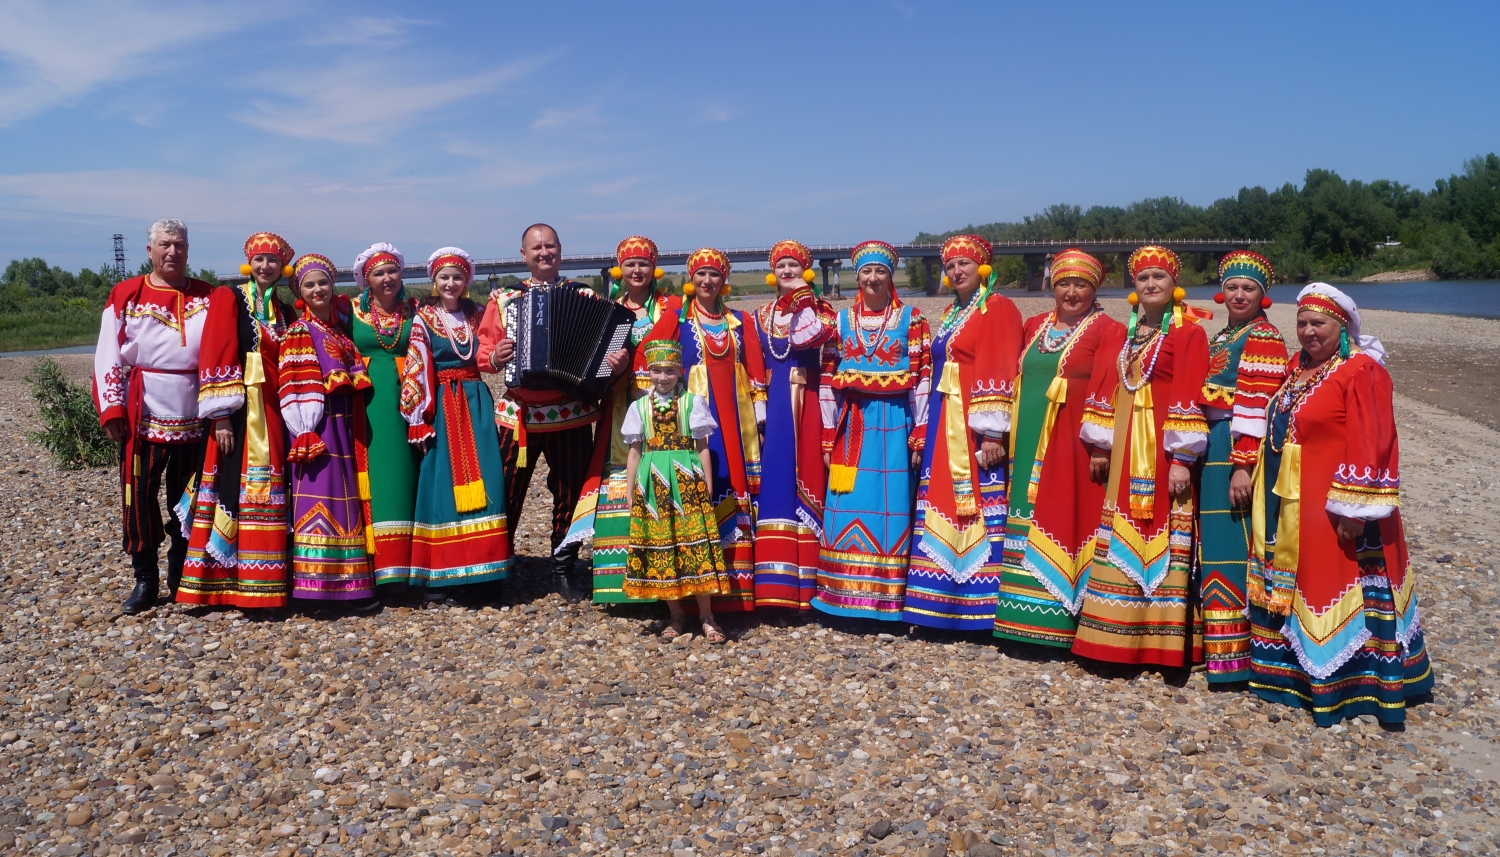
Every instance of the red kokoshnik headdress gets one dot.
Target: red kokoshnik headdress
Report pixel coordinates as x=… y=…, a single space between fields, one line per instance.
x=708 y=257
x=790 y=249
x=636 y=247
x=1154 y=256
x=968 y=247
x=269 y=242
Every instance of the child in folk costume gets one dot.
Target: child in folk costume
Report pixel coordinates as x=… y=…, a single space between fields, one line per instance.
x=875 y=424
x=238 y=539
x=674 y=533
x=1246 y=364
x=793 y=329
x=959 y=534
x=722 y=356
x=1137 y=605
x=323 y=380
x=459 y=535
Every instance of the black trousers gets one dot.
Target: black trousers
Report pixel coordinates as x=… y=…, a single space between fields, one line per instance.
x=567 y=453
x=141 y=479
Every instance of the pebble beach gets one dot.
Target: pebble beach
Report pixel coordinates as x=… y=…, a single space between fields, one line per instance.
x=542 y=725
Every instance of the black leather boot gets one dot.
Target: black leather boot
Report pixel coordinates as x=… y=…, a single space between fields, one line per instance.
x=143 y=597
x=565 y=562
x=176 y=557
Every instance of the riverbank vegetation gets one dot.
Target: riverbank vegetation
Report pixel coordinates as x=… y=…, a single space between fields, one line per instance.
x=1328 y=228
x=43 y=306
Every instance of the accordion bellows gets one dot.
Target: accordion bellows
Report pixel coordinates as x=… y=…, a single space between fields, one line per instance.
x=562 y=337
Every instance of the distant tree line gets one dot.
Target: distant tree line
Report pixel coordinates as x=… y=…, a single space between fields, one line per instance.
x=1327 y=228
x=43 y=306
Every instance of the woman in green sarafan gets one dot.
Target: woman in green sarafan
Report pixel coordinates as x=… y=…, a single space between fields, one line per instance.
x=1057 y=475
x=382 y=333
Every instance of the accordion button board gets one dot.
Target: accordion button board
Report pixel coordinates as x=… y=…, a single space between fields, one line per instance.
x=562 y=337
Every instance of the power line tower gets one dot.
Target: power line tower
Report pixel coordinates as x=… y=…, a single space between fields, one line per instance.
x=119 y=257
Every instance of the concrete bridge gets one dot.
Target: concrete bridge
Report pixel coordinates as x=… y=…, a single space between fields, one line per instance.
x=831 y=258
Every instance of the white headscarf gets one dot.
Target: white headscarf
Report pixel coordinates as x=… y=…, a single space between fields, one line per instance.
x=1368 y=344
x=361 y=259
x=449 y=251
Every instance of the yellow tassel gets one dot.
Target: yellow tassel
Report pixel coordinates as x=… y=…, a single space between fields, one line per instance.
x=521 y=457
x=469 y=498
x=364 y=486
x=370 y=540
x=841 y=478
x=965 y=506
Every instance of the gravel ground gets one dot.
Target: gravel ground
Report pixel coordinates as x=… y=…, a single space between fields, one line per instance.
x=539 y=725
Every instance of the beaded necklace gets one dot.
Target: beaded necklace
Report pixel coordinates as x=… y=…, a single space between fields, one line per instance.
x=773 y=330
x=1137 y=350
x=1296 y=389
x=955 y=316
x=1229 y=334
x=1054 y=341
x=454 y=338
x=390 y=325
x=704 y=338
x=879 y=332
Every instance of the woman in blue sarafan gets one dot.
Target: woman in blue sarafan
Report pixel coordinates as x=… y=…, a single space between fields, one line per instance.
x=874 y=405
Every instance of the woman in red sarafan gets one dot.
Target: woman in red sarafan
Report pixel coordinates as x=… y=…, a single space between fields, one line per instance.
x=237 y=543
x=1138 y=607
x=1334 y=626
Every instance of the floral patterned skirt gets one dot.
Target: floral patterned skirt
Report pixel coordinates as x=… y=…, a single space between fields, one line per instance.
x=674 y=534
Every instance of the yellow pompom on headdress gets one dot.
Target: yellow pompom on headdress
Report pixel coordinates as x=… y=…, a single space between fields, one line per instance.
x=268 y=242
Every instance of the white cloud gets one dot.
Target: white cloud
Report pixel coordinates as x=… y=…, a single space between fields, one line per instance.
x=54 y=52
x=366 y=99
x=576 y=117
x=364 y=32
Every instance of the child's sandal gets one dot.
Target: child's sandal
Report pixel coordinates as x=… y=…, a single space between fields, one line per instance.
x=670 y=633
x=713 y=635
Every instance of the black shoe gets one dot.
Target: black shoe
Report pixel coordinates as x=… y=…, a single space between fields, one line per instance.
x=364 y=606
x=434 y=596
x=141 y=599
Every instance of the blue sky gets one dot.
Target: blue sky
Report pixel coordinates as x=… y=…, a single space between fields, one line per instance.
x=697 y=123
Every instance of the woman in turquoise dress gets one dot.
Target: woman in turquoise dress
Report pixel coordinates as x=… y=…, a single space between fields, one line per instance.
x=1246 y=365
x=874 y=406
x=459 y=531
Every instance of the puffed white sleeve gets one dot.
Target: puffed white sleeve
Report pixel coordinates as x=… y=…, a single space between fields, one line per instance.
x=701 y=420
x=631 y=429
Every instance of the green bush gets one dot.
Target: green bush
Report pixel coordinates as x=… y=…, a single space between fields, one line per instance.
x=70 y=425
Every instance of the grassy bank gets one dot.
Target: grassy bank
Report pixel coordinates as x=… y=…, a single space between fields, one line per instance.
x=52 y=326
